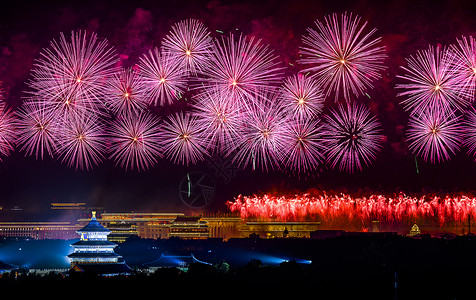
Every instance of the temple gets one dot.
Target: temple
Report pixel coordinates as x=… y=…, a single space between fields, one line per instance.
x=94 y=253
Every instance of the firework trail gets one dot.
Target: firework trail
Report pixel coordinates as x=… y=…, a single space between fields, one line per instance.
x=239 y=66
x=352 y=137
x=434 y=136
x=431 y=83
x=302 y=96
x=182 y=139
x=81 y=142
x=163 y=76
x=304 y=149
x=469 y=128
x=37 y=129
x=341 y=57
x=74 y=70
x=135 y=141
x=125 y=93
x=262 y=133
x=190 y=41
x=219 y=120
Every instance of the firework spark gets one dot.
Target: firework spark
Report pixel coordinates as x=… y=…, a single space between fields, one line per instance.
x=163 y=76
x=8 y=131
x=125 y=92
x=238 y=66
x=189 y=40
x=464 y=65
x=77 y=68
x=352 y=137
x=135 y=141
x=431 y=84
x=81 y=142
x=183 y=140
x=302 y=96
x=37 y=127
x=434 y=136
x=341 y=57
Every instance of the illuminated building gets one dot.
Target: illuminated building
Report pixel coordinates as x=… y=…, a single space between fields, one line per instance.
x=93 y=253
x=39 y=230
x=189 y=227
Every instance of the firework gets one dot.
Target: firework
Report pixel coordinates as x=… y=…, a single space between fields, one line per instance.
x=74 y=69
x=8 y=135
x=431 y=84
x=304 y=149
x=239 y=66
x=220 y=120
x=469 y=127
x=302 y=96
x=81 y=142
x=135 y=141
x=189 y=40
x=352 y=137
x=342 y=58
x=464 y=65
x=345 y=211
x=125 y=92
x=262 y=134
x=37 y=127
x=434 y=136
x=163 y=76
x=183 y=140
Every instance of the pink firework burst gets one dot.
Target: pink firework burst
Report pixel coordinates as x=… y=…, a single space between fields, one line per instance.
x=464 y=65
x=183 y=139
x=262 y=134
x=302 y=96
x=303 y=148
x=163 y=76
x=469 y=127
x=342 y=58
x=135 y=141
x=434 y=136
x=431 y=84
x=125 y=92
x=219 y=119
x=352 y=137
x=37 y=128
x=77 y=68
x=8 y=130
x=81 y=141
x=190 y=41
x=239 y=66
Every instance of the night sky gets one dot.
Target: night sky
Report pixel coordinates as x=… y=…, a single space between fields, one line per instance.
x=133 y=27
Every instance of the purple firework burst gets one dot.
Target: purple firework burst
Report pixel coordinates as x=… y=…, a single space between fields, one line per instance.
x=219 y=119
x=74 y=69
x=190 y=41
x=125 y=92
x=81 y=141
x=464 y=65
x=342 y=58
x=8 y=130
x=182 y=139
x=135 y=141
x=434 y=136
x=37 y=129
x=239 y=66
x=163 y=76
x=352 y=137
x=262 y=134
x=431 y=84
x=302 y=96
x=303 y=148
x=469 y=127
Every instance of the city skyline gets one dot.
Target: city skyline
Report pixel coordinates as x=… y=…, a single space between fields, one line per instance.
x=133 y=29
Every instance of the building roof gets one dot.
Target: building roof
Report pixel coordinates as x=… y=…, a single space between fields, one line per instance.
x=106 y=243
x=93 y=254
x=94 y=226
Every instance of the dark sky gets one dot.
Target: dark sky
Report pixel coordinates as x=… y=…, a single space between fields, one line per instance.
x=132 y=27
